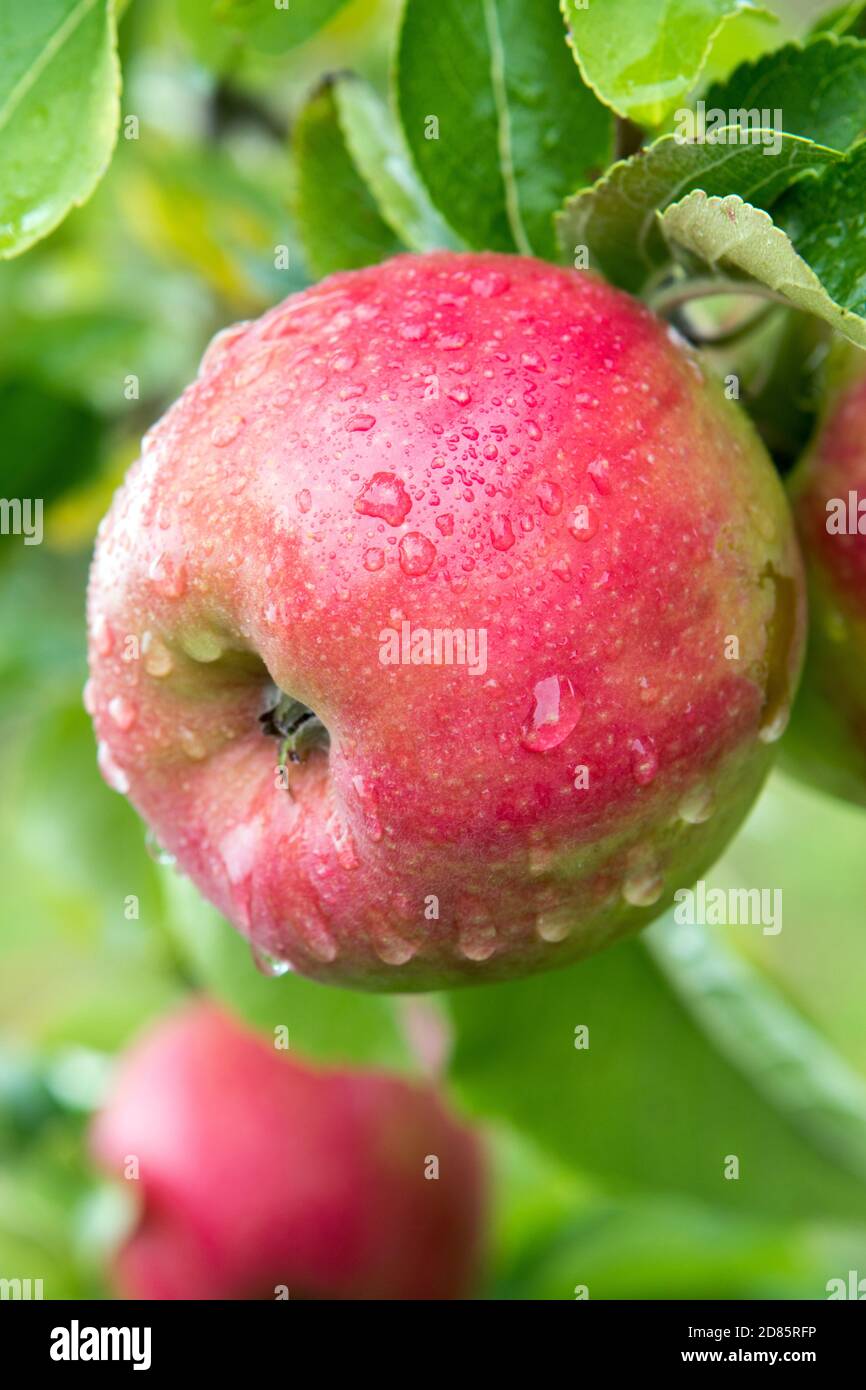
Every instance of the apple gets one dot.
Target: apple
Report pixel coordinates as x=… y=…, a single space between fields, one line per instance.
x=445 y=624
x=826 y=742
x=263 y=1177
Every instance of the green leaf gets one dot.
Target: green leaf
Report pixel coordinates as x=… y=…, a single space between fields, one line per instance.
x=214 y=45
x=196 y=207
x=753 y=33
x=641 y=59
x=616 y=219
x=50 y=443
x=818 y=90
x=337 y=218
x=663 y=1248
x=35 y=1236
x=323 y=1022
x=59 y=112
x=26 y=1101
x=805 y=962
x=42 y=639
x=376 y=144
x=827 y=223
x=499 y=126
x=653 y=1103
x=273 y=28
x=787 y=1061
x=75 y=967
x=843 y=19
x=731 y=237
x=536 y=1197
x=83 y=355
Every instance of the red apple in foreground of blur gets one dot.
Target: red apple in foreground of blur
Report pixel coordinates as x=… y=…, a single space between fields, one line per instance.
x=260 y=1174
x=826 y=745
x=533 y=574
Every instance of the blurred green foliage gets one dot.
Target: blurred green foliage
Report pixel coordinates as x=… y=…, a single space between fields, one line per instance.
x=609 y=1162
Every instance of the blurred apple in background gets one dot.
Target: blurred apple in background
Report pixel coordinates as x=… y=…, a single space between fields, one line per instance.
x=826 y=744
x=259 y=1173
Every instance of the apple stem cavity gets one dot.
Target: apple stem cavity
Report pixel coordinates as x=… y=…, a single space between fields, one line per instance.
x=300 y=730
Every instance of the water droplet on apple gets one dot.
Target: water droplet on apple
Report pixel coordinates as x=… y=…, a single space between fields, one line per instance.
x=167 y=577
x=345 y=360
x=359 y=424
x=158 y=661
x=477 y=942
x=384 y=496
x=374 y=559
x=317 y=938
x=123 y=712
x=113 y=775
x=392 y=950
x=416 y=554
x=304 y=500
x=351 y=391
x=554 y=713
x=341 y=838
x=648 y=693
x=781 y=637
x=218 y=348
x=583 y=523
x=267 y=964
x=772 y=730
x=533 y=362
x=643 y=886
x=414 y=332
x=490 y=284
x=555 y=925
x=254 y=367
x=367 y=797
x=103 y=637
x=203 y=645
x=226 y=431
x=550 y=497
x=445 y=524
x=192 y=745
x=599 y=471
x=157 y=853
x=697 y=805
x=460 y=395
x=452 y=342
x=644 y=760
x=501 y=533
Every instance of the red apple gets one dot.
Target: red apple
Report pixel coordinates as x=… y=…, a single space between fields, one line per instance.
x=826 y=745
x=477 y=445
x=260 y=1174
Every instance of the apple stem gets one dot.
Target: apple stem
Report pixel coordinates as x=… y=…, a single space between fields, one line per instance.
x=665 y=300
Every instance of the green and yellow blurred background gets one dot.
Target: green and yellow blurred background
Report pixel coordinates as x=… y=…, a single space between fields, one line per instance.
x=754 y=1047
